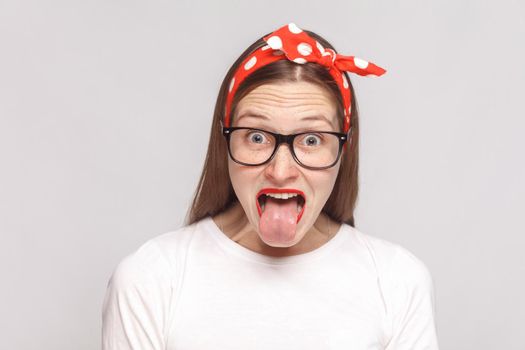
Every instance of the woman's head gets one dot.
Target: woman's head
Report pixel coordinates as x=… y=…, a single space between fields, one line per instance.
x=299 y=108
x=289 y=95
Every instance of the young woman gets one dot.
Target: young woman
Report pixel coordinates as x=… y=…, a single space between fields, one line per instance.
x=270 y=257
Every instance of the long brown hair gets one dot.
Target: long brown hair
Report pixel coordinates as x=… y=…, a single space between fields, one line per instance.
x=215 y=193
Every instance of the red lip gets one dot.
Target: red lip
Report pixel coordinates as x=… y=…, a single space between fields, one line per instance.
x=280 y=190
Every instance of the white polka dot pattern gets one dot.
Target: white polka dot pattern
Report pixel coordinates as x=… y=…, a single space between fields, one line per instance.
x=251 y=62
x=304 y=49
x=231 y=85
x=360 y=63
x=294 y=28
x=299 y=60
x=292 y=43
x=275 y=43
x=319 y=47
x=345 y=82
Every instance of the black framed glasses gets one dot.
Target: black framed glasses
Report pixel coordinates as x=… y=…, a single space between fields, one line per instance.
x=314 y=150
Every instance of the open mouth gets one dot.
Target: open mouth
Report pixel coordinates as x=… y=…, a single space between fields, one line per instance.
x=281 y=197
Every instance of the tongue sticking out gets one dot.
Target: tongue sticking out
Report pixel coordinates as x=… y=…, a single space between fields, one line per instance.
x=278 y=220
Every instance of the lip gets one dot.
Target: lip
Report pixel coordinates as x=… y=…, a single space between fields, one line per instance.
x=280 y=190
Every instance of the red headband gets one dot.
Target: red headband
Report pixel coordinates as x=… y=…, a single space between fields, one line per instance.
x=290 y=42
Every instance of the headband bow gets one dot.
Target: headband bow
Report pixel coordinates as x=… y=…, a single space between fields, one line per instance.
x=292 y=43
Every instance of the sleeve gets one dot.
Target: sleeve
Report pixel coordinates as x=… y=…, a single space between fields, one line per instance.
x=137 y=300
x=412 y=304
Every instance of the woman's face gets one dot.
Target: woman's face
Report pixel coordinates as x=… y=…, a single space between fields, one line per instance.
x=285 y=108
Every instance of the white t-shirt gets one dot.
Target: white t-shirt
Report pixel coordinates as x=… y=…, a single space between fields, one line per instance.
x=195 y=288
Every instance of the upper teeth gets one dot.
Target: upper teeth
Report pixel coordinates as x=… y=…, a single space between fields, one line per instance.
x=281 y=195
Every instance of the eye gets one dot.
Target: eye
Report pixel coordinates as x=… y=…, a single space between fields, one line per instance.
x=312 y=140
x=257 y=137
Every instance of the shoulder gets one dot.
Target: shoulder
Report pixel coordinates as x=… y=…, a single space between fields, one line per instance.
x=158 y=260
x=140 y=294
x=395 y=264
x=406 y=293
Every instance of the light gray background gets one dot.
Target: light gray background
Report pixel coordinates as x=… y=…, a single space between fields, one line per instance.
x=105 y=112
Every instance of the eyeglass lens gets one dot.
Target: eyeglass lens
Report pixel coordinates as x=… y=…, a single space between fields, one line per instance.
x=314 y=149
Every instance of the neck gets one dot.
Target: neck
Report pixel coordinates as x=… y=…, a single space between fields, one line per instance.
x=236 y=226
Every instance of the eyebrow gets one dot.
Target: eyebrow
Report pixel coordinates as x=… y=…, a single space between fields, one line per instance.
x=319 y=117
x=253 y=114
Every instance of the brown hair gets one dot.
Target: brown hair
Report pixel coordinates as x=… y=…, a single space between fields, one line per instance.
x=214 y=191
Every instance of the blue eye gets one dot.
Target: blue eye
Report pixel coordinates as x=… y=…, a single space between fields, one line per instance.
x=312 y=140
x=256 y=137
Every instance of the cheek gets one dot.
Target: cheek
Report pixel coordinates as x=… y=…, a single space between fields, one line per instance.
x=234 y=176
x=241 y=180
x=325 y=182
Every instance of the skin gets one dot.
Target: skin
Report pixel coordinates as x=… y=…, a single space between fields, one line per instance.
x=285 y=108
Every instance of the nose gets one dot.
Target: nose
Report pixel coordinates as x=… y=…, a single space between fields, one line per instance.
x=282 y=168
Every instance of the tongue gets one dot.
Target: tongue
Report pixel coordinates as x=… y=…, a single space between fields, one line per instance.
x=278 y=220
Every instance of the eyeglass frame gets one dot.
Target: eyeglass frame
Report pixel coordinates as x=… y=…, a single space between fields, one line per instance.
x=287 y=139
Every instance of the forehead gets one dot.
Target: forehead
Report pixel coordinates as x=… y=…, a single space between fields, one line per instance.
x=288 y=104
